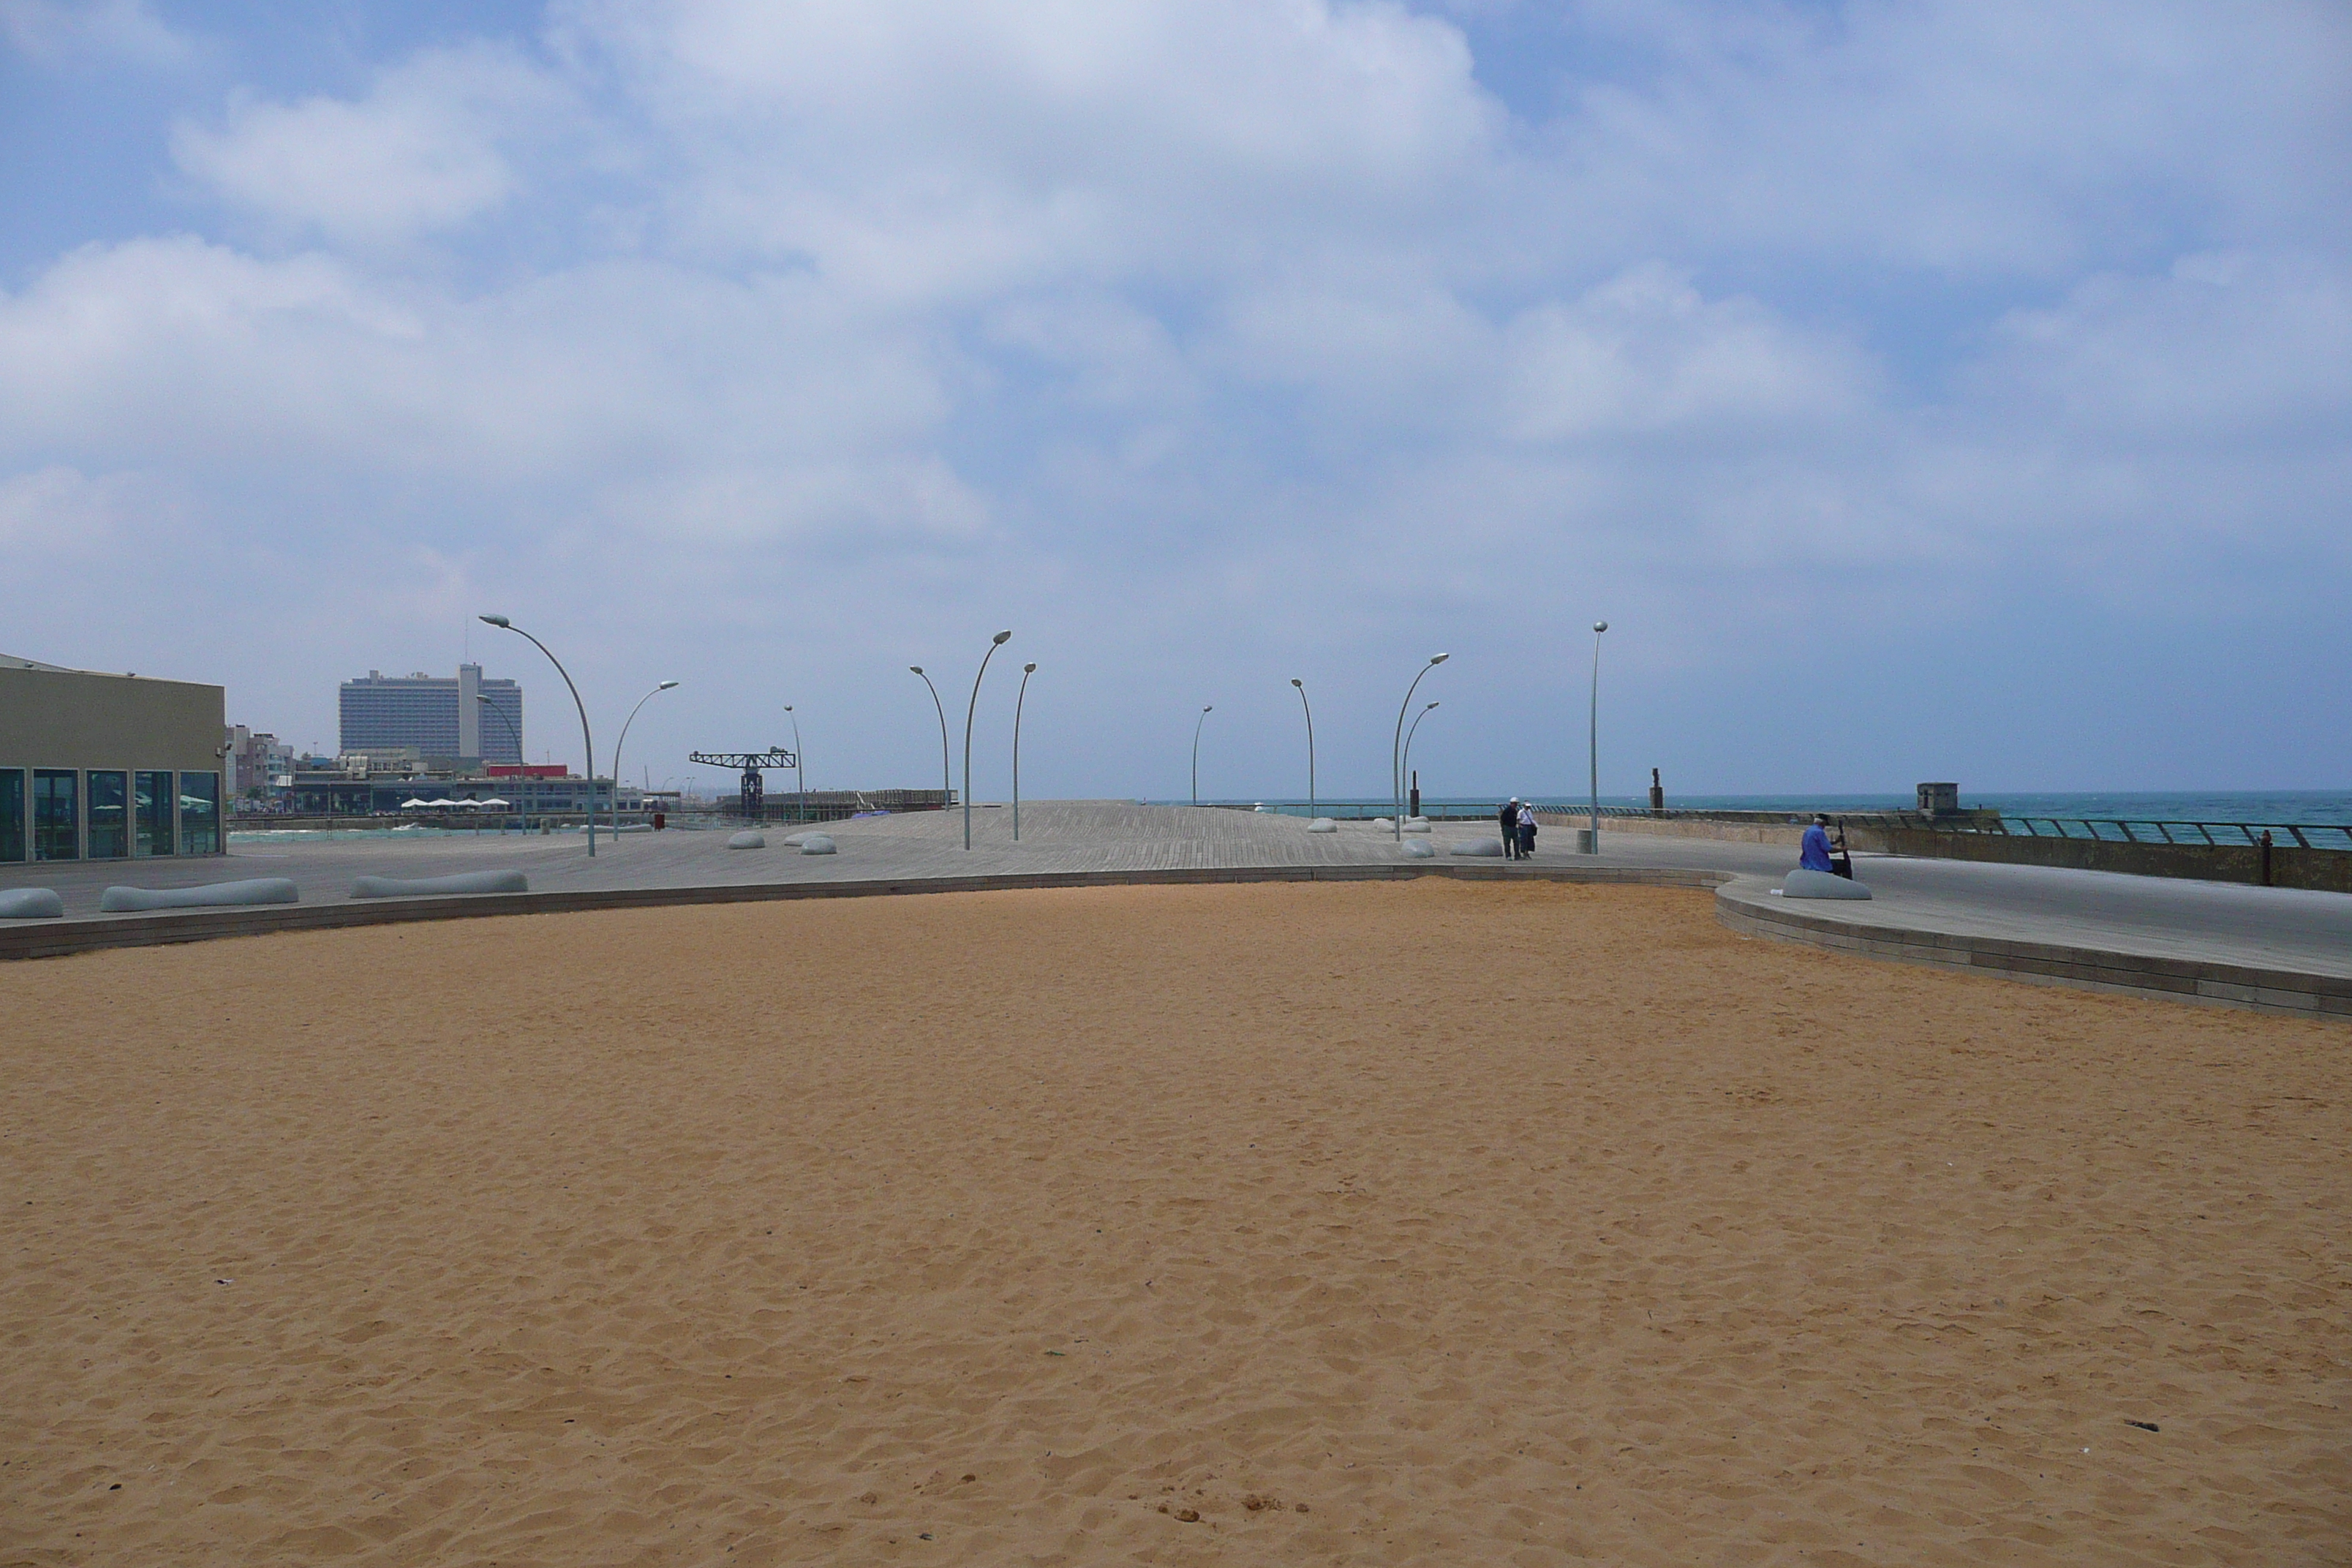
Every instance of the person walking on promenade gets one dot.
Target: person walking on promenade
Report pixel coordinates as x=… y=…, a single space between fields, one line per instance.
x=1526 y=830
x=1508 y=820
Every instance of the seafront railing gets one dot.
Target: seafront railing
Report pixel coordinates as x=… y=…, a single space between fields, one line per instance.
x=2184 y=833
x=2145 y=830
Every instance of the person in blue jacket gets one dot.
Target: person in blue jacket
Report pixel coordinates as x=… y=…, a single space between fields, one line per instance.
x=1814 y=854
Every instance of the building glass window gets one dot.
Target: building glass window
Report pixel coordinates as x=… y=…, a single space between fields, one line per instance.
x=200 y=813
x=12 y=814
x=54 y=825
x=109 y=827
x=152 y=803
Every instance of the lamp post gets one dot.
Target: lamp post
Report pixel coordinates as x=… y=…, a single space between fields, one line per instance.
x=1310 y=745
x=1196 y=749
x=1396 y=743
x=483 y=700
x=1026 y=671
x=586 y=743
x=998 y=641
x=1593 y=738
x=1409 y=734
x=624 y=741
x=947 y=785
x=800 y=767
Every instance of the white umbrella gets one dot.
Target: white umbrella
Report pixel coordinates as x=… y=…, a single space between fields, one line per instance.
x=413 y=803
x=494 y=800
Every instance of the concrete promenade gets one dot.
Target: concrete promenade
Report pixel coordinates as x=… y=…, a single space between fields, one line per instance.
x=2269 y=947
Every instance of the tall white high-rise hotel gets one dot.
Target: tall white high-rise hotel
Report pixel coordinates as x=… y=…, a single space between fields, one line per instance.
x=435 y=716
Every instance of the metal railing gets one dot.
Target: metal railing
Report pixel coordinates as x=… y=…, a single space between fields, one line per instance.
x=2145 y=830
x=2184 y=834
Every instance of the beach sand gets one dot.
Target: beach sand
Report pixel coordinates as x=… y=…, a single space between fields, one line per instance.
x=1425 y=1222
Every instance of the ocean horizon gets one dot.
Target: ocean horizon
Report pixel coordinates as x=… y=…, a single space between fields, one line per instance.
x=2282 y=807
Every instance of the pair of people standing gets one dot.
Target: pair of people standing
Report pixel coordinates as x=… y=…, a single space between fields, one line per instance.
x=1517 y=821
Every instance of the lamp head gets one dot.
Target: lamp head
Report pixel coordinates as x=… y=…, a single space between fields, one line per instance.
x=664 y=686
x=1211 y=708
x=1002 y=638
x=916 y=668
x=1028 y=669
x=1600 y=626
x=1439 y=657
x=479 y=698
x=1298 y=683
x=1432 y=705
x=498 y=621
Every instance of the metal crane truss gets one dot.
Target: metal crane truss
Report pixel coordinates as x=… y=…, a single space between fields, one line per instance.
x=755 y=791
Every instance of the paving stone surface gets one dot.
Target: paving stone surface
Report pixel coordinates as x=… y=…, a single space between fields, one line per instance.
x=2147 y=916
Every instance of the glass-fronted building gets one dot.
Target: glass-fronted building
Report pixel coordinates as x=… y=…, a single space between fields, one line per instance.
x=107 y=767
x=434 y=716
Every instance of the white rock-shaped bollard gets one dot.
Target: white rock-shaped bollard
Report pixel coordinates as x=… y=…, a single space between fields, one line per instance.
x=211 y=895
x=1418 y=848
x=1493 y=847
x=1416 y=825
x=432 y=887
x=1322 y=825
x=31 y=904
x=793 y=840
x=1382 y=825
x=818 y=844
x=1803 y=884
x=748 y=841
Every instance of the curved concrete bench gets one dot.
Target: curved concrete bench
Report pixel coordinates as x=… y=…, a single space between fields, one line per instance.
x=1493 y=847
x=748 y=841
x=817 y=843
x=429 y=886
x=1803 y=884
x=31 y=904
x=254 y=890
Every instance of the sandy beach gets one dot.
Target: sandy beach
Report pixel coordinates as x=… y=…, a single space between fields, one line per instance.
x=1425 y=1222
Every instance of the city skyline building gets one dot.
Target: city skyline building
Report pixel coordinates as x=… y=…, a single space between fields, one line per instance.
x=435 y=716
x=257 y=761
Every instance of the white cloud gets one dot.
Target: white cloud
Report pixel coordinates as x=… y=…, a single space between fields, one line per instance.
x=1647 y=353
x=61 y=512
x=1251 y=331
x=2220 y=348
x=424 y=151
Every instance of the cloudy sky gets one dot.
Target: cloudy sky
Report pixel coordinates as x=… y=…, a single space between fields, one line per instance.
x=1920 y=391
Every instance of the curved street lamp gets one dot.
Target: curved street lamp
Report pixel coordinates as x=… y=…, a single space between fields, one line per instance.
x=1593 y=738
x=947 y=780
x=624 y=741
x=998 y=641
x=800 y=766
x=1310 y=745
x=1026 y=671
x=1409 y=734
x=586 y=744
x=1396 y=743
x=1196 y=749
x=483 y=700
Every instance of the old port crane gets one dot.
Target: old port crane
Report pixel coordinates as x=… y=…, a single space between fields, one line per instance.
x=755 y=791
